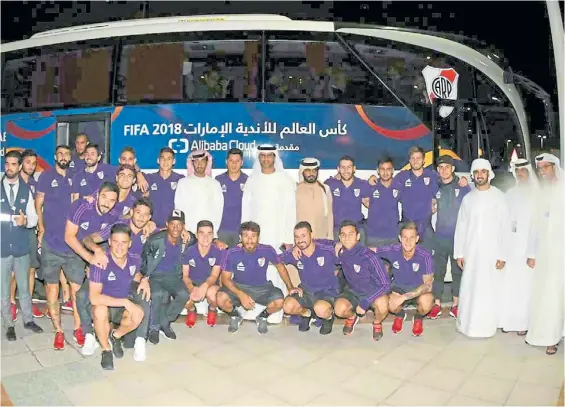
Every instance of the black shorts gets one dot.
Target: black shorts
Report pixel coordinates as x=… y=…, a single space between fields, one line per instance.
x=351 y=296
x=403 y=290
x=261 y=294
x=116 y=314
x=309 y=298
x=51 y=262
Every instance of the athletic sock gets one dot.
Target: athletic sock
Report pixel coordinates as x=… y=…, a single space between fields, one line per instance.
x=233 y=313
x=400 y=314
x=418 y=316
x=264 y=314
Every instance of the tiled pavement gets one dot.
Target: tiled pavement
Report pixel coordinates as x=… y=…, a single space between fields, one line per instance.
x=208 y=366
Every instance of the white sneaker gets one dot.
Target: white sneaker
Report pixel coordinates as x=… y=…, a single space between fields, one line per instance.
x=139 y=350
x=90 y=345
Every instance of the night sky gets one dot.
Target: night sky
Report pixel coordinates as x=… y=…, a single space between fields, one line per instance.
x=520 y=29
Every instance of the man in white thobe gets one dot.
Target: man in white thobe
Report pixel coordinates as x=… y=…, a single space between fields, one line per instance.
x=199 y=195
x=518 y=277
x=269 y=199
x=481 y=241
x=545 y=256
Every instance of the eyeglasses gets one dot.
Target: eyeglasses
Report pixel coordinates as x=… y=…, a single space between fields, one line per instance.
x=543 y=167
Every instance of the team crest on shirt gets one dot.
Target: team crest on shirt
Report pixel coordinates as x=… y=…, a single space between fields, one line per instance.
x=212 y=261
x=408 y=183
x=131 y=270
x=438 y=195
x=261 y=261
x=143 y=239
x=154 y=187
x=111 y=276
x=456 y=192
x=102 y=226
x=134 y=187
x=70 y=182
x=241 y=186
x=173 y=185
x=320 y=261
x=224 y=188
x=396 y=265
x=336 y=192
x=395 y=193
x=299 y=265
x=357 y=268
x=85 y=225
x=427 y=180
x=100 y=174
x=83 y=182
x=356 y=192
x=192 y=263
x=54 y=184
x=415 y=267
x=240 y=267
x=126 y=210
x=377 y=194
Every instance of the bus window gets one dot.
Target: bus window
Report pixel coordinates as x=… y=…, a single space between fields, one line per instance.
x=48 y=78
x=196 y=69
x=307 y=67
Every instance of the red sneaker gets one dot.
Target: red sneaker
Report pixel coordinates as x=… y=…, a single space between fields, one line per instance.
x=79 y=337
x=59 y=343
x=14 y=312
x=349 y=325
x=211 y=319
x=417 y=327
x=453 y=311
x=67 y=306
x=435 y=312
x=398 y=323
x=190 y=319
x=377 y=331
x=36 y=312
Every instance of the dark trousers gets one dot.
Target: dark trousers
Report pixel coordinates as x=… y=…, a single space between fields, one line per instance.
x=163 y=286
x=443 y=251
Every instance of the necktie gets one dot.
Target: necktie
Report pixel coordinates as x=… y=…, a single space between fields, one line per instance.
x=12 y=195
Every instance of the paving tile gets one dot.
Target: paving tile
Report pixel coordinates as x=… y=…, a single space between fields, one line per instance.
x=458 y=359
x=186 y=371
x=73 y=374
x=96 y=393
x=224 y=356
x=35 y=389
x=10 y=348
x=20 y=363
x=294 y=389
x=339 y=398
x=328 y=371
x=487 y=388
x=528 y=394
x=171 y=397
x=371 y=385
x=417 y=351
x=545 y=371
x=138 y=384
x=459 y=400
x=40 y=341
x=256 y=398
x=411 y=394
x=217 y=389
x=499 y=367
x=439 y=378
x=50 y=357
x=293 y=357
x=397 y=366
x=269 y=371
x=260 y=346
x=359 y=357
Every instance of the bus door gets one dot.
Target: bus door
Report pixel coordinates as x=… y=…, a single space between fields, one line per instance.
x=95 y=126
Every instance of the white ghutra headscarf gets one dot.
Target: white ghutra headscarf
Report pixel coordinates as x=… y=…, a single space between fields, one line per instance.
x=482 y=164
x=266 y=149
x=550 y=158
x=523 y=163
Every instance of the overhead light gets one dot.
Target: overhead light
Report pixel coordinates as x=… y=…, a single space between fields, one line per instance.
x=495 y=98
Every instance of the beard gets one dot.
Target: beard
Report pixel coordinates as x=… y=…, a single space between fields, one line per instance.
x=62 y=165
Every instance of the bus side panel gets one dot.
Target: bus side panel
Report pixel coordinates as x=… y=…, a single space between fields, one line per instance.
x=32 y=130
x=300 y=130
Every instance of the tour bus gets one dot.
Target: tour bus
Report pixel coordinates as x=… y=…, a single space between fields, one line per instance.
x=311 y=88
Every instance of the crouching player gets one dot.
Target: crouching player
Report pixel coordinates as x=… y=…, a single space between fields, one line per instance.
x=200 y=273
x=318 y=280
x=412 y=278
x=119 y=295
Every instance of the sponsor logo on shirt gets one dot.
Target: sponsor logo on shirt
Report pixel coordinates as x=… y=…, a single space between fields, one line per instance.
x=261 y=261
x=83 y=182
x=320 y=261
x=156 y=254
x=134 y=187
x=54 y=184
x=173 y=185
x=154 y=187
x=143 y=239
x=456 y=192
x=85 y=225
x=415 y=267
x=224 y=188
x=240 y=266
x=336 y=192
x=111 y=276
x=408 y=183
x=357 y=268
x=396 y=265
x=32 y=188
x=376 y=194
x=131 y=270
x=427 y=180
x=192 y=263
x=23 y=200
x=356 y=192
x=100 y=174
x=299 y=265
x=211 y=261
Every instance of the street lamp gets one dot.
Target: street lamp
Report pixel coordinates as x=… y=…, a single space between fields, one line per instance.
x=542 y=138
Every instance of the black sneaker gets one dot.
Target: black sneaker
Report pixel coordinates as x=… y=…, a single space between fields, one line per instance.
x=107 y=362
x=168 y=332
x=327 y=325
x=304 y=325
x=32 y=326
x=11 y=334
x=153 y=337
x=116 y=346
